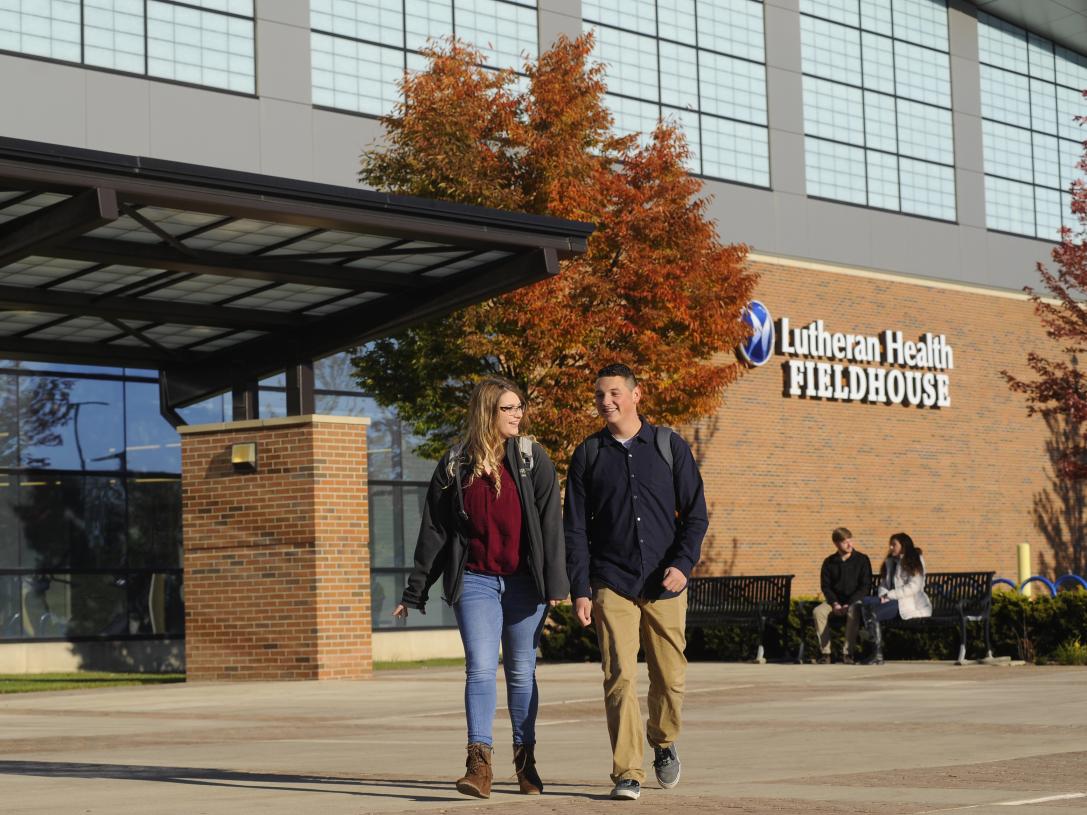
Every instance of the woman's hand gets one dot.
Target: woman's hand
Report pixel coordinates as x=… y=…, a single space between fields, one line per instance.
x=401 y=611
x=554 y=603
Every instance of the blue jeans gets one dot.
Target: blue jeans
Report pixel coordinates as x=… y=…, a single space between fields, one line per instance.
x=880 y=611
x=509 y=610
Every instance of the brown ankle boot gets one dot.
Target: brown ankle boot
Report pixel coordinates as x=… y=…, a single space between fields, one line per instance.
x=477 y=779
x=524 y=762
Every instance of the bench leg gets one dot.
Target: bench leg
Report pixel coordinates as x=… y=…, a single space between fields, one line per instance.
x=760 y=659
x=800 y=650
x=962 y=642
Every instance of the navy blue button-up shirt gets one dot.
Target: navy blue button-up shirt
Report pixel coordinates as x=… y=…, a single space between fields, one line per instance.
x=629 y=518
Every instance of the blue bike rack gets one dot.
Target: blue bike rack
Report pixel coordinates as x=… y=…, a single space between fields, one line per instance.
x=1006 y=582
x=1075 y=578
x=1039 y=579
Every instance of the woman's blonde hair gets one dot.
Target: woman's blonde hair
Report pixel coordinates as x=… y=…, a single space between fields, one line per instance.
x=482 y=444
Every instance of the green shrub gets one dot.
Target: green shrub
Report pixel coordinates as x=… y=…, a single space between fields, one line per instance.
x=1043 y=629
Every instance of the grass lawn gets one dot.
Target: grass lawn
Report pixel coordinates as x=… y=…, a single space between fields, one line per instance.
x=28 y=683
x=447 y=662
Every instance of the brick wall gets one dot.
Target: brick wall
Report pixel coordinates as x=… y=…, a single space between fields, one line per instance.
x=277 y=573
x=967 y=482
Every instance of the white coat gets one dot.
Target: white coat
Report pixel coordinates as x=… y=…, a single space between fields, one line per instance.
x=908 y=591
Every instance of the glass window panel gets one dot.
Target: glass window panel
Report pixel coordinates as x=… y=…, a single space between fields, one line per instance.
x=386 y=533
x=876 y=16
x=733 y=27
x=504 y=32
x=835 y=171
x=923 y=22
x=71 y=424
x=922 y=74
x=425 y=20
x=1002 y=44
x=735 y=151
x=842 y=11
x=1071 y=154
x=676 y=21
x=98 y=605
x=10 y=525
x=380 y=21
x=879 y=62
x=880 y=122
x=1009 y=206
x=927 y=189
x=631 y=61
x=636 y=15
x=833 y=111
x=387 y=589
x=1047 y=160
x=71 y=520
x=152 y=444
x=679 y=75
x=1047 y=207
x=1043 y=106
x=273 y=404
x=1040 y=57
x=113 y=34
x=924 y=132
x=413 y=466
x=9 y=421
x=47 y=28
x=46 y=605
x=1007 y=151
x=355 y=76
x=882 y=180
x=688 y=123
x=1071 y=220
x=633 y=116
x=11 y=611
x=200 y=47
x=1071 y=68
x=830 y=51
x=732 y=87
x=154 y=522
x=1070 y=104
x=1005 y=96
x=210 y=411
x=335 y=373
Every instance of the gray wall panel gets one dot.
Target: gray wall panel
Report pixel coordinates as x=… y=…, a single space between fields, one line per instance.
x=218 y=129
x=338 y=141
x=286 y=139
x=118 y=114
x=288 y=12
x=283 y=63
x=42 y=101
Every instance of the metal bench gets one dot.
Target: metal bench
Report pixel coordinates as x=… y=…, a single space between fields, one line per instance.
x=748 y=601
x=957 y=598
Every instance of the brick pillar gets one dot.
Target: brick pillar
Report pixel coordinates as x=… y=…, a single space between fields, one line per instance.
x=277 y=562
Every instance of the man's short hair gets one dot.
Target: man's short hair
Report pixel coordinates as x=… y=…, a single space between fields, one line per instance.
x=619 y=369
x=840 y=534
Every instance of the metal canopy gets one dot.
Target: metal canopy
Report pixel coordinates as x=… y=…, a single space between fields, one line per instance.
x=217 y=278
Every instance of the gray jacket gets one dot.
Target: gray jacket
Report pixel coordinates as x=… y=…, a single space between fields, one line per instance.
x=442 y=547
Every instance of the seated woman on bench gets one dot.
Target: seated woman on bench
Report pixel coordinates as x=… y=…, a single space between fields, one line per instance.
x=901 y=590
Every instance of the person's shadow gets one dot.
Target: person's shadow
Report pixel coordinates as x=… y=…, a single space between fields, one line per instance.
x=429 y=789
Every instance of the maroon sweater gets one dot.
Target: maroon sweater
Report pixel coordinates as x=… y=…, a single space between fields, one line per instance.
x=494 y=524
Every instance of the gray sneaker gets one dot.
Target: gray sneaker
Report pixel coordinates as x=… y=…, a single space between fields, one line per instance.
x=626 y=789
x=666 y=766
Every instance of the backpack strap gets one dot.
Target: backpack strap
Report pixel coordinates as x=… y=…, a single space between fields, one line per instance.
x=524 y=444
x=664 y=446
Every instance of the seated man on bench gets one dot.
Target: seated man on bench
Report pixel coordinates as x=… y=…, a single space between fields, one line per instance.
x=846 y=578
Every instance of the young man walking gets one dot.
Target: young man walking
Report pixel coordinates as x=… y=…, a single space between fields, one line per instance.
x=635 y=516
x=846 y=577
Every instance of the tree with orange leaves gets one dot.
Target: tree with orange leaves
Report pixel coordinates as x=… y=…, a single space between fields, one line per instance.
x=1060 y=391
x=656 y=288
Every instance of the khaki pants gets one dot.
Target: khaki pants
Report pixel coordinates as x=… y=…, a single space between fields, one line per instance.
x=658 y=626
x=821 y=616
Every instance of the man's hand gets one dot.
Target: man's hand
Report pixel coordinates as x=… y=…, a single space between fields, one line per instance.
x=674 y=579
x=839 y=608
x=583 y=608
x=401 y=612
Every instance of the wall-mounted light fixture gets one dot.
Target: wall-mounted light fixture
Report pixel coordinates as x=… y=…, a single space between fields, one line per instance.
x=244 y=456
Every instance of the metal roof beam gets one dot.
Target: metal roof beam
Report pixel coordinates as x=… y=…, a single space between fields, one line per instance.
x=15 y=298
x=271 y=269
x=86 y=353
x=37 y=231
x=184 y=385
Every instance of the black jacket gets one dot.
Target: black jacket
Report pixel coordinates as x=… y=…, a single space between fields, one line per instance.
x=442 y=548
x=846 y=581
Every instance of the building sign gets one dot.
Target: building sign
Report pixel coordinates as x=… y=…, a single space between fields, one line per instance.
x=883 y=369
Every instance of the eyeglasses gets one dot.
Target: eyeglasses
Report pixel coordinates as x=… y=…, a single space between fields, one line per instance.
x=518 y=408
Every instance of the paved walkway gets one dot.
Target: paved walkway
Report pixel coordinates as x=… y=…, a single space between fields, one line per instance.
x=905 y=738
